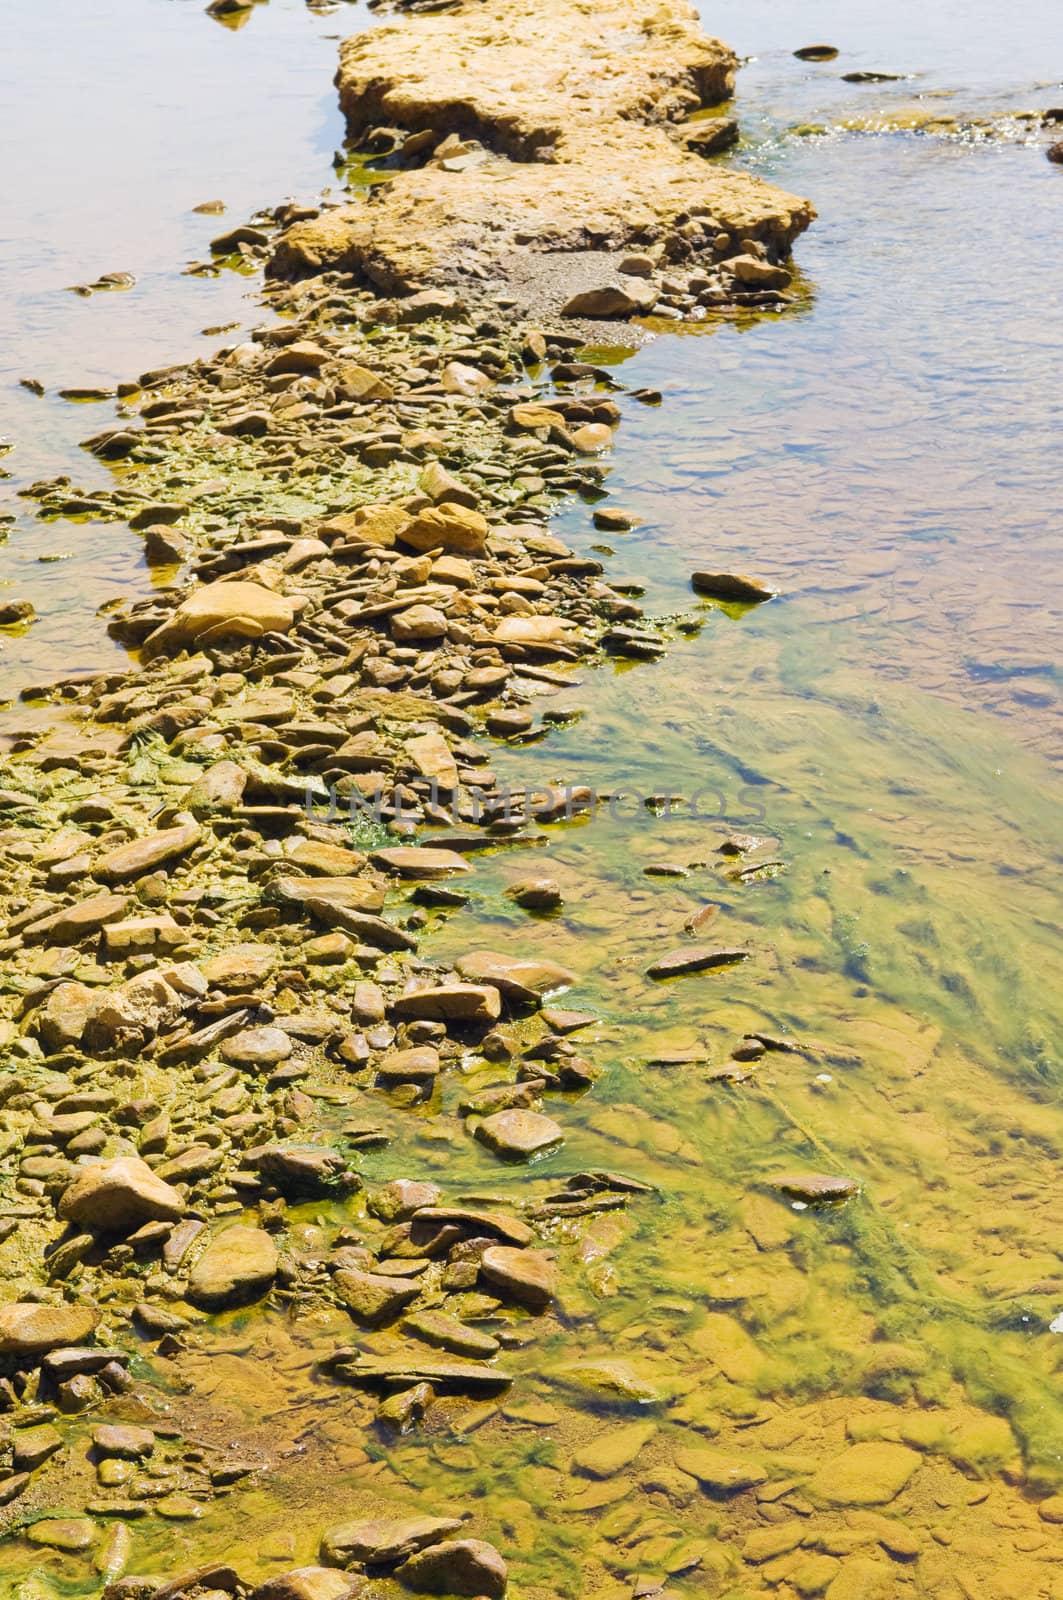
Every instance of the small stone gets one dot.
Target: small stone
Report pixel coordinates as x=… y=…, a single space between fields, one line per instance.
x=731 y=586
x=14 y=611
x=451 y=528
x=611 y=300
x=74 y=1533
x=591 y=438
x=410 y=861
x=515 y=978
x=382 y=1541
x=813 y=1187
x=129 y=1442
x=309 y=1583
x=816 y=52
x=451 y=1002
x=142 y=856
x=31 y=1447
x=448 y=1333
x=398 y=1200
x=419 y=1065
x=373 y=1299
x=419 y=623
x=519 y=1135
x=720 y=1472
x=535 y=894
x=237 y=1267
x=708 y=135
x=257 y=1048
x=699 y=959
x=615 y=1450
x=218 y=610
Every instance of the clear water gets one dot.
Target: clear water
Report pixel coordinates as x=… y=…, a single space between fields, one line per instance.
x=884 y=455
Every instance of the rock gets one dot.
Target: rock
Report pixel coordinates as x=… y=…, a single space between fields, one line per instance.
x=219 y=610
x=867 y=1474
x=14 y=611
x=419 y=1066
x=731 y=586
x=299 y=356
x=815 y=1187
x=309 y=1583
x=535 y=894
x=448 y=1333
x=378 y=525
x=220 y=789
x=418 y=623
x=302 y=1169
x=131 y=1014
x=1055 y=153
x=720 y=1472
x=141 y=856
x=698 y=959
x=755 y=273
x=237 y=1267
x=519 y=1135
x=528 y=1276
x=32 y=1447
x=514 y=978
x=142 y=936
x=398 y=1200
x=354 y=382
x=431 y=1220
x=73 y=1533
x=452 y=528
x=610 y=519
x=592 y=437
x=117 y=1196
x=373 y=1299
x=433 y=760
x=613 y=1451
x=458 y=1567
x=611 y=300
x=75 y=923
x=257 y=1048
x=1051 y=1510
x=382 y=1541
x=125 y=1441
x=27 y=1329
x=60 y=1022
x=243 y=966
x=816 y=52
x=410 y=861
x=459 y=378
x=450 y=1002
x=711 y=134
x=409 y=1367
x=534 y=633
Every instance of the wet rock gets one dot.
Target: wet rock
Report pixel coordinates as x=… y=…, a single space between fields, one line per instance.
x=448 y=1333
x=237 y=1267
x=419 y=1066
x=220 y=610
x=401 y=1199
x=866 y=1474
x=535 y=894
x=458 y=1567
x=27 y=1329
x=410 y=861
x=309 y=1583
x=73 y=1533
x=613 y=1451
x=519 y=1135
x=383 y=1541
x=699 y=959
x=302 y=1169
x=117 y=1196
x=720 y=1472
x=534 y=633
x=432 y=1220
x=815 y=1187
x=13 y=611
x=591 y=438
x=816 y=52
x=515 y=979
x=31 y=1447
x=125 y=1441
x=73 y=924
x=373 y=1299
x=1055 y=153
x=731 y=586
x=528 y=1276
x=709 y=135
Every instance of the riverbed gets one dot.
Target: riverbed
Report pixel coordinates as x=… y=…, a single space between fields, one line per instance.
x=881 y=453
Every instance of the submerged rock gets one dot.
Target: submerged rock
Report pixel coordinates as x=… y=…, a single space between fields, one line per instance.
x=867 y=1474
x=458 y=1567
x=519 y=1135
x=238 y=1266
x=383 y=1541
x=731 y=586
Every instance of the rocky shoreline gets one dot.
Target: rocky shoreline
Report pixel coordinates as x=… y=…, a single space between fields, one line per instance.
x=217 y=871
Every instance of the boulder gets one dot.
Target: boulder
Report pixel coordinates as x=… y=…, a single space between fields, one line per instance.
x=118 y=1196
x=238 y=1266
x=27 y=1329
x=220 y=610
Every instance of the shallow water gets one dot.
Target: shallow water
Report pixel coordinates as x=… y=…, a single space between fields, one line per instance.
x=883 y=454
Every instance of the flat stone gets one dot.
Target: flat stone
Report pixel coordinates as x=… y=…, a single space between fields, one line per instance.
x=867 y=1474
x=241 y=967
x=117 y=1196
x=720 y=1471
x=813 y=1187
x=66 y=1533
x=31 y=1447
x=615 y=1450
x=430 y=1220
x=731 y=586
x=528 y=1276
x=141 y=856
x=432 y=759
x=519 y=1135
x=610 y=300
x=448 y=1333
x=325 y=860
x=407 y=861
x=309 y=1583
x=382 y=1541
x=419 y=1065
x=696 y=959
x=409 y=1367
x=514 y=978
x=302 y=1169
x=72 y=924
x=457 y=1567
x=124 y=1440
x=257 y=1048
x=28 y=1329
x=237 y=1267
x=449 y=1002
x=247 y=610
x=373 y=1299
